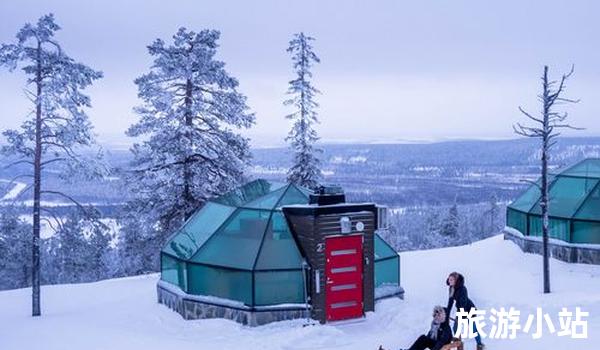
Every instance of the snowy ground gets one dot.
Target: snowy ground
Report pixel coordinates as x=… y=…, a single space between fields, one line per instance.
x=14 y=191
x=123 y=314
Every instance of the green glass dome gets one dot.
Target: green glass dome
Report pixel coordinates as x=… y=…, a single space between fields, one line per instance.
x=239 y=247
x=574 y=207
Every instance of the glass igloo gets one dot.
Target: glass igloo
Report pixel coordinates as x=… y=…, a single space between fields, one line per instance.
x=239 y=247
x=574 y=205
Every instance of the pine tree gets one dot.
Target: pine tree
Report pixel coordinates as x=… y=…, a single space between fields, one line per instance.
x=305 y=170
x=100 y=252
x=15 y=247
x=78 y=251
x=59 y=124
x=451 y=222
x=138 y=244
x=189 y=119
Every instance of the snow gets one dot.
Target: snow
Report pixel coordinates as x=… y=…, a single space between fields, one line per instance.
x=46 y=231
x=258 y=169
x=14 y=191
x=55 y=204
x=426 y=168
x=387 y=290
x=123 y=313
x=201 y=298
x=350 y=160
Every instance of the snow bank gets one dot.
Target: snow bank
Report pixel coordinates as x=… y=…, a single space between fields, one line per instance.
x=123 y=313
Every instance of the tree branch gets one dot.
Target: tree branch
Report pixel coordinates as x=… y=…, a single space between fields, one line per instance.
x=71 y=199
x=18 y=162
x=54 y=216
x=530 y=116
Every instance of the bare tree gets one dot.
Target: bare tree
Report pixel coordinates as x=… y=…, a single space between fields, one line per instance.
x=546 y=128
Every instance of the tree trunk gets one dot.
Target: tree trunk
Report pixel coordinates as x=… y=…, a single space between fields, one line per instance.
x=492 y=218
x=37 y=178
x=187 y=173
x=544 y=200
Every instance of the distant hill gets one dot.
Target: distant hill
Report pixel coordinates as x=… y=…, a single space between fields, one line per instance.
x=401 y=174
x=432 y=173
x=521 y=152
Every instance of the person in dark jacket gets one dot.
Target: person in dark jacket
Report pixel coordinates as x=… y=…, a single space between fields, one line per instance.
x=439 y=334
x=459 y=296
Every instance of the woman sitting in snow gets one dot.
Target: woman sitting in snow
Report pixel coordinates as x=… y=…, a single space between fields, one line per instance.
x=439 y=334
x=458 y=294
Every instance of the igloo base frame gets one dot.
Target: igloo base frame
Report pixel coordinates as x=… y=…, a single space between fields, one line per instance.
x=192 y=307
x=577 y=253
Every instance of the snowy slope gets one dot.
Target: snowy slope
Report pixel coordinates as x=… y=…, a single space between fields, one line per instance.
x=123 y=314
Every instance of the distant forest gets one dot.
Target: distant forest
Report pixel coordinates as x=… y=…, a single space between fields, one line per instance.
x=439 y=194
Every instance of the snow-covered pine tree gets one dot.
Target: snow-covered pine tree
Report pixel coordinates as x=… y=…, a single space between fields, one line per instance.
x=77 y=251
x=15 y=247
x=139 y=242
x=305 y=169
x=189 y=123
x=58 y=125
x=451 y=222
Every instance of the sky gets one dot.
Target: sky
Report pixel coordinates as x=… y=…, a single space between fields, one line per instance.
x=390 y=71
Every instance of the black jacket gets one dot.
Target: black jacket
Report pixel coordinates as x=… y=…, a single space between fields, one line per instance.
x=460 y=296
x=444 y=336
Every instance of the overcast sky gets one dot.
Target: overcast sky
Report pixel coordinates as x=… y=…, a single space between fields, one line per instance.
x=390 y=70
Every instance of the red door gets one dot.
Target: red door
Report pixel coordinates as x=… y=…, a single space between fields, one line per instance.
x=344 y=270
